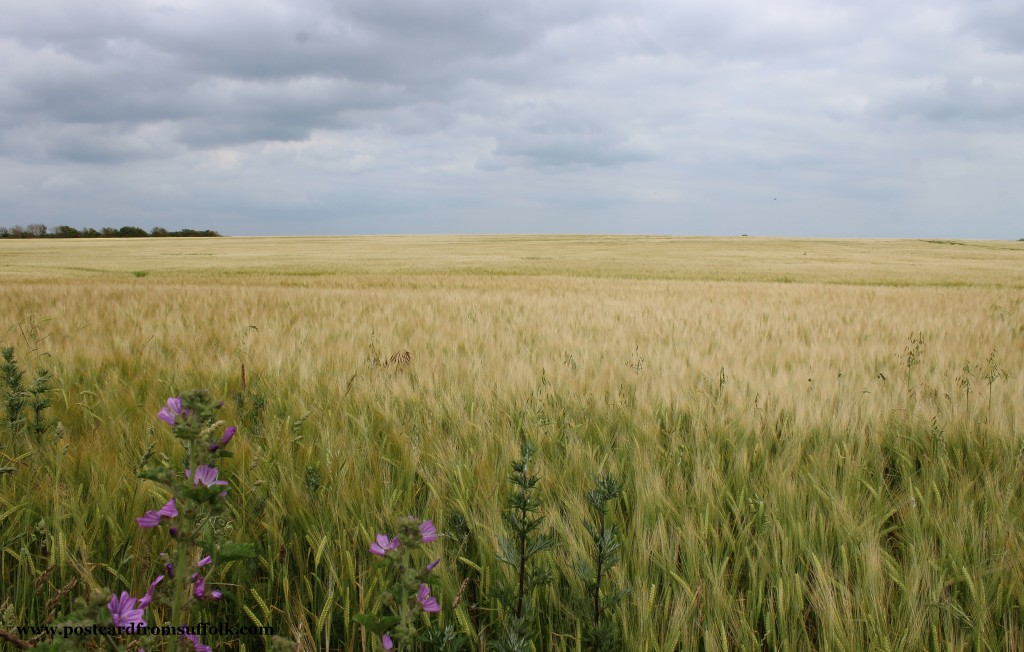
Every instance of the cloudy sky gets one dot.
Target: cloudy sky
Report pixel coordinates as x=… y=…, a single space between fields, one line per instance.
x=694 y=117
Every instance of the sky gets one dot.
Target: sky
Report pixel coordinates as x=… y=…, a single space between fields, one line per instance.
x=807 y=118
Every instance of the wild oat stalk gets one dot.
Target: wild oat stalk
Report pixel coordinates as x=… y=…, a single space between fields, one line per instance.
x=912 y=355
x=993 y=372
x=966 y=381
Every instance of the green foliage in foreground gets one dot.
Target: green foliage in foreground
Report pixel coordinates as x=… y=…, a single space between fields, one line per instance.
x=903 y=535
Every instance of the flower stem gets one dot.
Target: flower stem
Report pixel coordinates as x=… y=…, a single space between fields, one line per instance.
x=179 y=588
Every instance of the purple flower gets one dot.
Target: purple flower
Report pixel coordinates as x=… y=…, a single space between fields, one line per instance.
x=170 y=413
x=170 y=509
x=432 y=565
x=199 y=590
x=428 y=533
x=152 y=519
x=149 y=519
x=146 y=599
x=206 y=475
x=204 y=561
x=228 y=434
x=387 y=642
x=427 y=601
x=124 y=611
x=197 y=645
x=383 y=545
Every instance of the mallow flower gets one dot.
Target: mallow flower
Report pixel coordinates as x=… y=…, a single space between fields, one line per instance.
x=124 y=611
x=383 y=545
x=225 y=438
x=199 y=589
x=427 y=601
x=428 y=533
x=197 y=645
x=152 y=519
x=146 y=599
x=387 y=642
x=205 y=475
x=171 y=411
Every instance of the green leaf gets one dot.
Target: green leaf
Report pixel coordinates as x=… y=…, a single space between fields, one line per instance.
x=157 y=473
x=233 y=551
x=375 y=624
x=202 y=494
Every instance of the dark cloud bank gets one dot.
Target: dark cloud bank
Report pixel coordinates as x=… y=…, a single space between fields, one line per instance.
x=807 y=118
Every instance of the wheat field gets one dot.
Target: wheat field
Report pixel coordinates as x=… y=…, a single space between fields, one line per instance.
x=820 y=440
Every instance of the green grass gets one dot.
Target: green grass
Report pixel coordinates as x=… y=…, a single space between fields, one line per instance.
x=901 y=538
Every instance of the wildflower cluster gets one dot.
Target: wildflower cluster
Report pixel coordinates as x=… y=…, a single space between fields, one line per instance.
x=409 y=596
x=193 y=514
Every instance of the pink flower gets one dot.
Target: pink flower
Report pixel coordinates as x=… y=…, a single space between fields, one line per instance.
x=428 y=533
x=199 y=590
x=427 y=601
x=205 y=475
x=124 y=611
x=152 y=519
x=170 y=413
x=387 y=642
x=383 y=545
x=146 y=599
x=197 y=645
x=228 y=434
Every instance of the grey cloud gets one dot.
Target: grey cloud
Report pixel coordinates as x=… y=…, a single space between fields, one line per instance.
x=549 y=135
x=106 y=145
x=405 y=109
x=997 y=22
x=228 y=74
x=976 y=102
x=558 y=150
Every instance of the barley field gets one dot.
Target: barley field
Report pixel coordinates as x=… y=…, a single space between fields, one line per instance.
x=821 y=442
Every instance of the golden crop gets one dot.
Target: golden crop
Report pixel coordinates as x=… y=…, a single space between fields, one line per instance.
x=756 y=394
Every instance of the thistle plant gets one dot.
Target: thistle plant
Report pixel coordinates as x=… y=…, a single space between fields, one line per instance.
x=523 y=519
x=14 y=393
x=39 y=400
x=604 y=535
x=408 y=599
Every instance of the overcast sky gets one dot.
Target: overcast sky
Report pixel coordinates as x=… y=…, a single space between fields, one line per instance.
x=790 y=117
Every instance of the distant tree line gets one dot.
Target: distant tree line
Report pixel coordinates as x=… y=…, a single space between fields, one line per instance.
x=64 y=231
